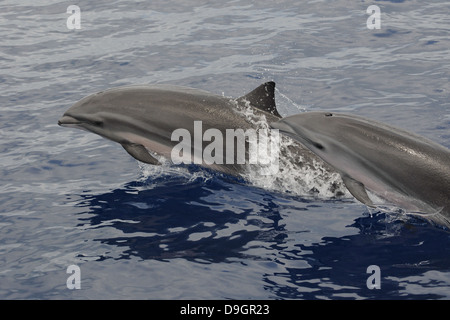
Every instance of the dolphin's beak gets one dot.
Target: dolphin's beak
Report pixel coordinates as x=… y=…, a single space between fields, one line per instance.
x=67 y=121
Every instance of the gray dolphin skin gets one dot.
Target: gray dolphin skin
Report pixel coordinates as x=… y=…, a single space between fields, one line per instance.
x=402 y=168
x=143 y=118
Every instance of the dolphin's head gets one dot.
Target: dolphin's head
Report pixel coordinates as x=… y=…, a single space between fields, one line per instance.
x=84 y=114
x=95 y=114
x=315 y=130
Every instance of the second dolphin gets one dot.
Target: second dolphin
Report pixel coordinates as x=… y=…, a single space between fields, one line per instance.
x=406 y=170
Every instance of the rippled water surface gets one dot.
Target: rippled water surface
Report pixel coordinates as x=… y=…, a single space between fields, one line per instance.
x=68 y=197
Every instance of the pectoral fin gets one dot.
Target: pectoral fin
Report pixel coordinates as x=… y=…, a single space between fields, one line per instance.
x=358 y=190
x=139 y=152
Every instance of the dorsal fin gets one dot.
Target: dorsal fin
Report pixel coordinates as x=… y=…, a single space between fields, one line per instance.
x=263 y=98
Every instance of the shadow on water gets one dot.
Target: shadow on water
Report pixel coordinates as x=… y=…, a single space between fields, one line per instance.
x=190 y=219
x=403 y=251
x=214 y=221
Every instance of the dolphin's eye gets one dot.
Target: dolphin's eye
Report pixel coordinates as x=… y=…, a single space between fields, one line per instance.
x=318 y=146
x=328 y=114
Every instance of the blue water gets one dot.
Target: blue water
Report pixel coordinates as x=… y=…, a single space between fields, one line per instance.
x=68 y=197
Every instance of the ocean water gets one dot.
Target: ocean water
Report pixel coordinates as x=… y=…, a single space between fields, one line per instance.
x=71 y=198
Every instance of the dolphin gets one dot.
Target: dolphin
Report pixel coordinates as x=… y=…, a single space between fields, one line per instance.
x=143 y=118
x=404 y=169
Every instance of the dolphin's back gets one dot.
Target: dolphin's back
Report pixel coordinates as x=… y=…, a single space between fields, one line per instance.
x=156 y=101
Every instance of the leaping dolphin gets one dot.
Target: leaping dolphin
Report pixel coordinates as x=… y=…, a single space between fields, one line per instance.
x=404 y=169
x=144 y=118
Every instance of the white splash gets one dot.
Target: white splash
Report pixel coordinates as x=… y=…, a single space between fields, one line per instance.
x=296 y=175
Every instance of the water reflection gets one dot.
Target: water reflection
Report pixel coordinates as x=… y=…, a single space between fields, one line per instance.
x=401 y=249
x=182 y=219
x=216 y=221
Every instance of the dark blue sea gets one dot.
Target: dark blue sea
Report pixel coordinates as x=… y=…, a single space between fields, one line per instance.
x=71 y=198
